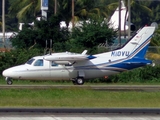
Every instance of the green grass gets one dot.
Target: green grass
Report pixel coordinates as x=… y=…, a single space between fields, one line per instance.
x=77 y=97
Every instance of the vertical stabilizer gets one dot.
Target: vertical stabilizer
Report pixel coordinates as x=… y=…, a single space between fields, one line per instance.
x=135 y=47
x=138 y=44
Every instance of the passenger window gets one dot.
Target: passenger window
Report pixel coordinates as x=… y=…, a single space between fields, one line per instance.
x=54 y=64
x=39 y=63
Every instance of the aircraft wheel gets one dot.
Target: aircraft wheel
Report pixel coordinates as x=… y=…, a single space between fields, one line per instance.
x=80 y=81
x=9 y=81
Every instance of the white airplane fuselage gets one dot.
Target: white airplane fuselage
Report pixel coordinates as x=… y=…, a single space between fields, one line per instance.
x=77 y=67
x=87 y=69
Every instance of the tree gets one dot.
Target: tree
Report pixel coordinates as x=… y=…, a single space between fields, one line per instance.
x=9 y=22
x=90 y=35
x=154 y=49
x=141 y=13
x=25 y=39
x=24 y=9
x=155 y=7
x=84 y=9
x=43 y=30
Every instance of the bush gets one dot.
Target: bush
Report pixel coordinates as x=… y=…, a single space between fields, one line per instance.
x=143 y=74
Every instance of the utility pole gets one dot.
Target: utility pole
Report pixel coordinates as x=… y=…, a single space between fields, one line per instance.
x=3 y=21
x=119 y=28
x=129 y=19
x=72 y=13
x=55 y=7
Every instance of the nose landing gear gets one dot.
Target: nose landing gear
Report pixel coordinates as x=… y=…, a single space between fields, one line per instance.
x=9 y=81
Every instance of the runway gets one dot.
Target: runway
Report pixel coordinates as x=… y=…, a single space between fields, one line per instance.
x=79 y=114
x=80 y=117
x=93 y=87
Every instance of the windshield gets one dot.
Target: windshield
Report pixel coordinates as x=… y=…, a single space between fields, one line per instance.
x=30 y=61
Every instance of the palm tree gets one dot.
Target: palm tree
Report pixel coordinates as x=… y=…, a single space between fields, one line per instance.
x=24 y=9
x=85 y=9
x=28 y=9
x=134 y=7
x=95 y=8
x=141 y=13
x=64 y=10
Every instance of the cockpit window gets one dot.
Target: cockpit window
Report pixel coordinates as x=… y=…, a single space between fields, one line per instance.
x=30 y=61
x=39 y=62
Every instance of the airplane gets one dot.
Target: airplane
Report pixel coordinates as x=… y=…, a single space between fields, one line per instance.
x=79 y=67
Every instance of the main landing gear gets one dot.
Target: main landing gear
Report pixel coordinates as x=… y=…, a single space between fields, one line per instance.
x=9 y=81
x=78 y=81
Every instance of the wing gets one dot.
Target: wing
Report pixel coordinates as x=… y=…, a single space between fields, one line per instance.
x=64 y=58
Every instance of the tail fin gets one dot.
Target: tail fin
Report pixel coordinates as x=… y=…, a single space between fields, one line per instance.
x=137 y=46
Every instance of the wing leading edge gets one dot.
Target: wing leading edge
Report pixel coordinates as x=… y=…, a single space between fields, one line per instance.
x=63 y=58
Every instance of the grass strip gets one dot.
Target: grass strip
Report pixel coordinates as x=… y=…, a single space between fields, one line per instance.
x=76 y=97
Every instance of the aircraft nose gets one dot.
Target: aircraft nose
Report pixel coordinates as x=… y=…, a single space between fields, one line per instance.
x=8 y=72
x=5 y=73
x=13 y=72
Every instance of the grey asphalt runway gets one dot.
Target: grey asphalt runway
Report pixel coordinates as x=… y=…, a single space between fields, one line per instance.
x=93 y=87
x=78 y=117
x=80 y=114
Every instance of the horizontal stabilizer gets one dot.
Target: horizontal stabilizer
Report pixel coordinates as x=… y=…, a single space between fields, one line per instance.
x=138 y=61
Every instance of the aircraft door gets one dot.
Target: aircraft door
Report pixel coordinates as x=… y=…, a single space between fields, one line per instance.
x=40 y=70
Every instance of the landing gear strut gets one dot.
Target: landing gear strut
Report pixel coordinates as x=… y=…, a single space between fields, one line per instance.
x=78 y=81
x=9 y=81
